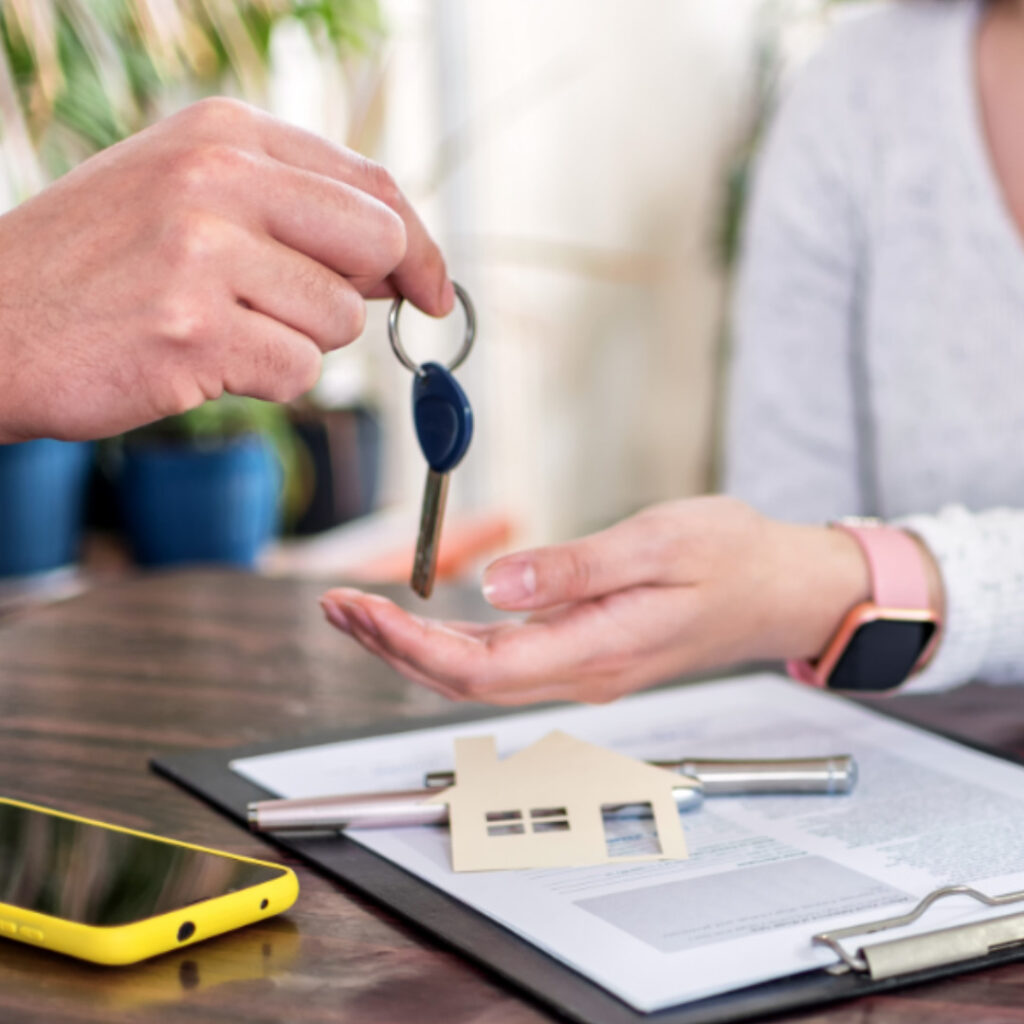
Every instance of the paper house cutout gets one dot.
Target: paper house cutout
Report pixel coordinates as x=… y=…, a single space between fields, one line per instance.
x=542 y=806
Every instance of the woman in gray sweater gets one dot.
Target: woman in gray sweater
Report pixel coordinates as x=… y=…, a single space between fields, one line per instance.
x=877 y=371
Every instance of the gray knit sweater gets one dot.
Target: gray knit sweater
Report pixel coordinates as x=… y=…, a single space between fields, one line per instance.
x=879 y=357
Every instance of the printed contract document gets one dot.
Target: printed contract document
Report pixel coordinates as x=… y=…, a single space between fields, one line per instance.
x=765 y=873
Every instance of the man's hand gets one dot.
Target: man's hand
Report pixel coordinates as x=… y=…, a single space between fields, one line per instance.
x=219 y=250
x=680 y=587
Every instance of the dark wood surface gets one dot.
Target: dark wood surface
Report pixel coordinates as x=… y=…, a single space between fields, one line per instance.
x=92 y=688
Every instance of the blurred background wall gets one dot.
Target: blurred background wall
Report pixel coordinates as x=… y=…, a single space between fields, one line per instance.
x=578 y=187
x=575 y=159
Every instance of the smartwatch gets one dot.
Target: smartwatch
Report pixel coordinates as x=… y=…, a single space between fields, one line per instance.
x=880 y=642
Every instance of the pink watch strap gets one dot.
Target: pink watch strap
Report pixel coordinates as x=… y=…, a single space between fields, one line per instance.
x=898 y=577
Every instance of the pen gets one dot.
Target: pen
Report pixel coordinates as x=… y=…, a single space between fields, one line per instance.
x=400 y=808
x=731 y=777
x=697 y=779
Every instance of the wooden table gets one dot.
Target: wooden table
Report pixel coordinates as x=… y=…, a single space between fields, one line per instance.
x=92 y=688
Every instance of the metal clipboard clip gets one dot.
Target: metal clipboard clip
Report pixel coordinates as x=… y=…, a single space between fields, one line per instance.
x=957 y=944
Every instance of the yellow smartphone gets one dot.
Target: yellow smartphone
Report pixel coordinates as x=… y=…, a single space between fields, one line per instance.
x=116 y=896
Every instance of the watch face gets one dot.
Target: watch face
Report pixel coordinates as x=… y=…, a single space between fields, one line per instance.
x=880 y=655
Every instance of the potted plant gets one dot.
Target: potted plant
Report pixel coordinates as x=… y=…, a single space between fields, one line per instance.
x=42 y=493
x=206 y=486
x=77 y=77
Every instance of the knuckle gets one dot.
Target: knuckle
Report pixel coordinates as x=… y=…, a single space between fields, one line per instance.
x=292 y=375
x=340 y=312
x=219 y=113
x=576 y=572
x=316 y=290
x=384 y=243
x=657 y=541
x=177 y=397
x=393 y=241
x=201 y=168
x=307 y=374
x=350 y=317
x=382 y=184
x=680 y=533
x=181 y=319
x=192 y=236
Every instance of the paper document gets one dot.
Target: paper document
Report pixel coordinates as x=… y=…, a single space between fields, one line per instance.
x=765 y=872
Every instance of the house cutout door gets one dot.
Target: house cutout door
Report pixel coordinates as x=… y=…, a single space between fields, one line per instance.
x=629 y=836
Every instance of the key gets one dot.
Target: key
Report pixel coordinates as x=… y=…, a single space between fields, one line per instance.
x=444 y=428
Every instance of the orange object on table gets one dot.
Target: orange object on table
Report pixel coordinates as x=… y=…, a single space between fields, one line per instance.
x=465 y=541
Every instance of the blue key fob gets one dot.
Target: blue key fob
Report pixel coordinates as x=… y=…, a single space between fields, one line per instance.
x=443 y=417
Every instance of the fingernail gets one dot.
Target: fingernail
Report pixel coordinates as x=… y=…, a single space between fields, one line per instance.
x=335 y=616
x=510 y=583
x=361 y=616
x=338 y=620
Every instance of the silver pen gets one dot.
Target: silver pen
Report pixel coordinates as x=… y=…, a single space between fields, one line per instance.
x=732 y=777
x=697 y=779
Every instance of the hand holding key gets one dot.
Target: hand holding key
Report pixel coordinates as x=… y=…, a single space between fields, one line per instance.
x=218 y=250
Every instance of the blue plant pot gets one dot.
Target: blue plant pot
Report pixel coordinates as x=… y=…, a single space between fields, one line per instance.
x=42 y=503
x=185 y=504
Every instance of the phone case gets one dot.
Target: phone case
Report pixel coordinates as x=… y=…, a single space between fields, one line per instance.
x=139 y=940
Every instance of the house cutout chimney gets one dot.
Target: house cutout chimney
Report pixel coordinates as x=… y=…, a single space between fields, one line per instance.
x=544 y=806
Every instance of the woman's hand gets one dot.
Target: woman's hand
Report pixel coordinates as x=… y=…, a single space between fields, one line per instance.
x=219 y=250
x=680 y=587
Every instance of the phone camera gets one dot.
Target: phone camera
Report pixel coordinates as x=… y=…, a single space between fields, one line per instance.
x=186 y=931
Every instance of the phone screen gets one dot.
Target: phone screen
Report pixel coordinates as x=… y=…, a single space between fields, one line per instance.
x=98 y=876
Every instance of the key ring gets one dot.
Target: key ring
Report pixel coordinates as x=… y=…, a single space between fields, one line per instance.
x=467 y=340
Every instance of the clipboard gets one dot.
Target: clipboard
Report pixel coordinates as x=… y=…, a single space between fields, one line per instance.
x=865 y=968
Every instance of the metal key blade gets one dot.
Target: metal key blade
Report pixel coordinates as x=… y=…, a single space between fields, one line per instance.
x=424 y=566
x=444 y=428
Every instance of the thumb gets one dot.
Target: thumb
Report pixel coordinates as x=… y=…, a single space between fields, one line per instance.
x=617 y=558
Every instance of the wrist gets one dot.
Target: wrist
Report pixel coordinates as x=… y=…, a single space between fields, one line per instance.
x=880 y=640
x=827 y=576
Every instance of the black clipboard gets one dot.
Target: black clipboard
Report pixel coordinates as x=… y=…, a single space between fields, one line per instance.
x=474 y=935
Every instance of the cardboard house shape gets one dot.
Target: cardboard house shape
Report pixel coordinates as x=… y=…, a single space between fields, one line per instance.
x=542 y=806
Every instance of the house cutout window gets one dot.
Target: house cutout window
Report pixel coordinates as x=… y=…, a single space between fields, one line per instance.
x=541 y=819
x=549 y=812
x=549 y=819
x=627 y=836
x=506 y=830
x=505 y=823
